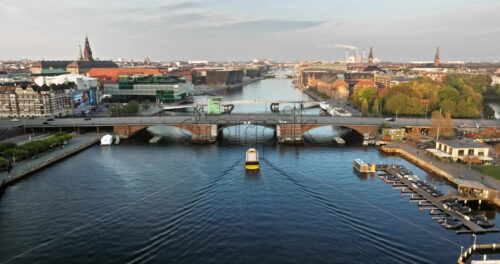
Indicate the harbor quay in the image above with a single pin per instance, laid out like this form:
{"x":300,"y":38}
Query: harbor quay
{"x":23,"y":169}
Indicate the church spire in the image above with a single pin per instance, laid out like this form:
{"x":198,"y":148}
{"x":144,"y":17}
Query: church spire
{"x":87,"y":53}
{"x":436,"y":58}
{"x":370,"y":57}
{"x":80,"y":54}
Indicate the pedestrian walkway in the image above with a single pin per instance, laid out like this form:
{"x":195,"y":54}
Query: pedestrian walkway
{"x":458,"y":170}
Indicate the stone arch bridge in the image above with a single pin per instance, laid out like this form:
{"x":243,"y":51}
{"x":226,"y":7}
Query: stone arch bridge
{"x":289,"y":128}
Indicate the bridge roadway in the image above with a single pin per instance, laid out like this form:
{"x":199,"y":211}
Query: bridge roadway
{"x":257,"y":119}
{"x":240,"y":102}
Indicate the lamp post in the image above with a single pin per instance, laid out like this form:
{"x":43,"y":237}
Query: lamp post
{"x":426,"y":106}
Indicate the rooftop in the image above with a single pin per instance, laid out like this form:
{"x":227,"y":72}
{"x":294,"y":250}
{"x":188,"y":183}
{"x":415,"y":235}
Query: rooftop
{"x":474,"y":184}
{"x":366,"y":83}
{"x":461,"y":144}
{"x":111,"y":74}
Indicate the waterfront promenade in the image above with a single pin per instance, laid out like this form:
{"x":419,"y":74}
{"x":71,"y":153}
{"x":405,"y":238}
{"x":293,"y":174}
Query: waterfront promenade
{"x":24,"y":168}
{"x":457,"y":170}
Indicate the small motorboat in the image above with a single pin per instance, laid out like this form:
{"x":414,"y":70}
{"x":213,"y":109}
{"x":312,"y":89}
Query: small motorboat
{"x":452,"y":224}
{"x":107,"y":140}
{"x":484,"y":222}
{"x":252,"y":160}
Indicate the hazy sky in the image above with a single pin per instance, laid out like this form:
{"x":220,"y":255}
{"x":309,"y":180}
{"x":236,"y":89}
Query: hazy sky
{"x":219,"y":30}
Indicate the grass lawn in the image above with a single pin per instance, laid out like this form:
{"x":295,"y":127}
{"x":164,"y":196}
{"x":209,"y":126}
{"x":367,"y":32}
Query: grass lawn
{"x":492,"y":171}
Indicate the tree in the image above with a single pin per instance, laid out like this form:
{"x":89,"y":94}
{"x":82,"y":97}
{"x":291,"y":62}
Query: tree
{"x":449,"y":106}
{"x":363,"y":93}
{"x":7,"y":145}
{"x":376,"y":108}
{"x":441,"y":125}
{"x":414,"y":135}
{"x":497,"y":150}
{"x":381,"y":126}
{"x":488,"y":112}
{"x":405,"y":105}
{"x":146,"y":104}
{"x":364,"y":108}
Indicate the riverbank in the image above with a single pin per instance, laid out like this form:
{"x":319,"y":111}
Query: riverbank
{"x":449,"y":171}
{"x":206,"y":89}
{"x":27,"y":167}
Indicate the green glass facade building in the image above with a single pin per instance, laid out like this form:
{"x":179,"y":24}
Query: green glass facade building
{"x":161,"y":88}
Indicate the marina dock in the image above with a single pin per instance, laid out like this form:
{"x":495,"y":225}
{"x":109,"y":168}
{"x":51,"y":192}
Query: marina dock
{"x":398,"y":176}
{"x":478,"y":249}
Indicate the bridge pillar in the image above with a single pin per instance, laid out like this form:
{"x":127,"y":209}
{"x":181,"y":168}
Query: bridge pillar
{"x":125,"y":131}
{"x":289,"y":133}
{"x":202,"y":133}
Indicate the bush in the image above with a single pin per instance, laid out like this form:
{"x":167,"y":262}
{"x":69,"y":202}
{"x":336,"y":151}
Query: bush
{"x":7,"y":145}
{"x":383,"y":125}
{"x":130,"y":108}
{"x":3,"y":162}
{"x":35,"y":147}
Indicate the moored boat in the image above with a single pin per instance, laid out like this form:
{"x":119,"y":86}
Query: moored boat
{"x":107,"y":140}
{"x":252,"y":160}
{"x":362,"y":167}
{"x":484,"y":222}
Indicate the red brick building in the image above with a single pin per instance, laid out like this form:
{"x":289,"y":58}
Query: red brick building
{"x":365,"y":84}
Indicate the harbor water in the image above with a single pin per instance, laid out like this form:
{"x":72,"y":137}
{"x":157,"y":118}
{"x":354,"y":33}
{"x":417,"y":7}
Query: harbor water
{"x":176,"y":202}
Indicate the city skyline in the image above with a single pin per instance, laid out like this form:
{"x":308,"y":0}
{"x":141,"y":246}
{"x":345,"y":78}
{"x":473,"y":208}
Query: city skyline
{"x":224,"y":30}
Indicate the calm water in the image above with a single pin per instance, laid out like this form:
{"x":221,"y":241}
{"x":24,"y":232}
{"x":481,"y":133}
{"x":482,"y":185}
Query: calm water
{"x":269,"y":89}
{"x":495,"y":104}
{"x":182,"y":203}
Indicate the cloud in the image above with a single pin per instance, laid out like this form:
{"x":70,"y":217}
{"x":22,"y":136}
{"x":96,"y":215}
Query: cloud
{"x":178,"y":6}
{"x":272,"y":25}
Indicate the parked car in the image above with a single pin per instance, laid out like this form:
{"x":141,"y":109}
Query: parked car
{"x":87,"y":118}
{"x":50,"y":119}
{"x":15,"y":120}
{"x":45,"y":122}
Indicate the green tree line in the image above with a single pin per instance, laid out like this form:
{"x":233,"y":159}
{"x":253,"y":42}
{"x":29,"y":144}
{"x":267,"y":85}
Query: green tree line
{"x":459,"y":95}
{"x":130,"y":108}
{"x":35,"y":147}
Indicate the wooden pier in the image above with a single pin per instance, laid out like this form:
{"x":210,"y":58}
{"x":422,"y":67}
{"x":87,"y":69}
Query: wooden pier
{"x":422,"y":195}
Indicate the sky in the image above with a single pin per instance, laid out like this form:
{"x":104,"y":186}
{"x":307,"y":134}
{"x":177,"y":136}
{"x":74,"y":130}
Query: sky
{"x":223,"y":30}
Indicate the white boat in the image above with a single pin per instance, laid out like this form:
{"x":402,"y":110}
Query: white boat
{"x":107,"y":140}
{"x":324,"y":106}
{"x":338,"y":111}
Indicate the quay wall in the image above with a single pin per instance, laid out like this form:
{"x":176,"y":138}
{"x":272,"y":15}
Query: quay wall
{"x":25,"y":173}
{"x":426,"y":166}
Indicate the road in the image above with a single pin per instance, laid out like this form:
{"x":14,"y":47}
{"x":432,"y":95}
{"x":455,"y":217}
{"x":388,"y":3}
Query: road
{"x":258,"y":119}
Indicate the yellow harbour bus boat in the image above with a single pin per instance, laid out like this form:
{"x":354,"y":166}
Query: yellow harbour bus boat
{"x":252,"y":160}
